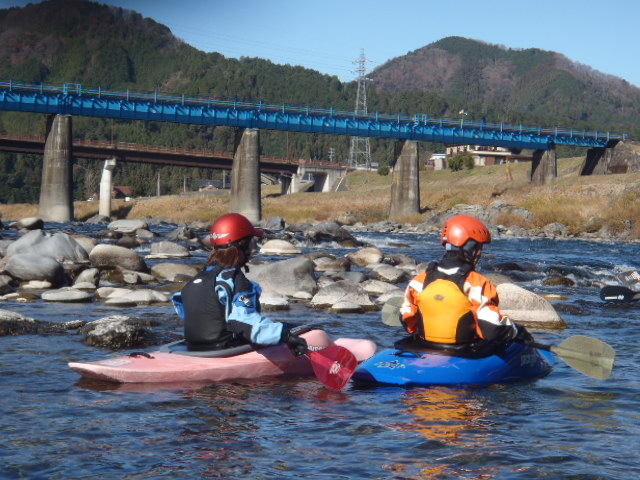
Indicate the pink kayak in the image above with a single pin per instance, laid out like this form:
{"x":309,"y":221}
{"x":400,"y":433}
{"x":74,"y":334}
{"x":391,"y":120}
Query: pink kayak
{"x":172,"y":363}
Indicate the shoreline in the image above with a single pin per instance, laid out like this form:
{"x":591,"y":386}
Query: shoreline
{"x":596,"y":207}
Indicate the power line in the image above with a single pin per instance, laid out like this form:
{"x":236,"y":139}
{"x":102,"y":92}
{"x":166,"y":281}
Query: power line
{"x":242,"y":47}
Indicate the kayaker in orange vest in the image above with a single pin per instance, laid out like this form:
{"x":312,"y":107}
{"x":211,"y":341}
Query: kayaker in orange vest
{"x":220,"y":306}
{"x":450,"y":304}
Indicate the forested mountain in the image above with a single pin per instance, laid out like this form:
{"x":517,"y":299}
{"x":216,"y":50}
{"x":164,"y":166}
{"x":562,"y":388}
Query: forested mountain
{"x":96,"y":45}
{"x":532,"y":86}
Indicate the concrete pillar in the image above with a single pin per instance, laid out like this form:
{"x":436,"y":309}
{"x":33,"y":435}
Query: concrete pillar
{"x":56,"y":188}
{"x":321,"y":183}
{"x":405,"y":189}
{"x":592,"y":162}
{"x":295,"y":183}
{"x":245,"y":175}
{"x":285,"y":183}
{"x":544,"y":166}
{"x":616,"y":157}
{"x":106,"y":187}
{"x":333,"y":180}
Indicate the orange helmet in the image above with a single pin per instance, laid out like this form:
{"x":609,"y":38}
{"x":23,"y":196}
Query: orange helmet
{"x":230,"y":228}
{"x":460,"y":229}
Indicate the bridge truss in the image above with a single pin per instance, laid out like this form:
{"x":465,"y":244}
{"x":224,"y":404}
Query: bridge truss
{"x":75,"y":99}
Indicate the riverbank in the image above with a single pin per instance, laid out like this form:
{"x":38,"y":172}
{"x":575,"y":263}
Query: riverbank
{"x":598,"y":205}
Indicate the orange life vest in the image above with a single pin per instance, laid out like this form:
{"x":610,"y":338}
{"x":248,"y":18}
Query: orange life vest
{"x":446,"y":313}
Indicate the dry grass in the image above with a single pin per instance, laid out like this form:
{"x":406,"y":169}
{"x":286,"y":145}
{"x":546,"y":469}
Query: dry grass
{"x":581,"y":203}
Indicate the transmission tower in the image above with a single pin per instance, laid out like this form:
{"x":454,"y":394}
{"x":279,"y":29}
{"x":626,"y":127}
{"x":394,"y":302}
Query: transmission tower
{"x":360,"y":152}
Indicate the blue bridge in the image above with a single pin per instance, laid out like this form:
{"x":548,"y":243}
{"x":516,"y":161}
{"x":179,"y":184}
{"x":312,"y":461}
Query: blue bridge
{"x":75,"y":99}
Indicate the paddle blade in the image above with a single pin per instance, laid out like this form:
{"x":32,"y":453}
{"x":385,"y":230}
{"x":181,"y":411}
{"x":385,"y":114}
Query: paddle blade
{"x":615,"y":293}
{"x":333,"y":366}
{"x":588,"y":355}
{"x":630,"y":277}
{"x":391,"y":311}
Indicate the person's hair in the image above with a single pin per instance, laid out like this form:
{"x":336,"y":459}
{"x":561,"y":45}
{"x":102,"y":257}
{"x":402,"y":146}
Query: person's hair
{"x":235,"y":255}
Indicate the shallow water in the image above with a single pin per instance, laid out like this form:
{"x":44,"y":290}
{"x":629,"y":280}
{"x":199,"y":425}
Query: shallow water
{"x":564,"y":426}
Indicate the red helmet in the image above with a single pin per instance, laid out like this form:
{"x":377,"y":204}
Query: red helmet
{"x":460,"y":229}
{"x":230,"y":228}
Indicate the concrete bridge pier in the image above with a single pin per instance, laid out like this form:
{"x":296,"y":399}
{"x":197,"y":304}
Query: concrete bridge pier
{"x":290,"y":183}
{"x":106,"y":187}
{"x":616,"y":157}
{"x":405,"y":189}
{"x":596,"y":162}
{"x":56,"y":188}
{"x":245,"y":175}
{"x":295,"y":183}
{"x":285,"y":184}
{"x":544,"y":166}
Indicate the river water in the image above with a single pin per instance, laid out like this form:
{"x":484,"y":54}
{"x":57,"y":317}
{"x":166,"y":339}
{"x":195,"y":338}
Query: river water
{"x":563,"y":426}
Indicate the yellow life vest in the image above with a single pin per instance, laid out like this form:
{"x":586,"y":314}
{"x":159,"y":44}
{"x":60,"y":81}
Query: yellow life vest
{"x":446,"y":313}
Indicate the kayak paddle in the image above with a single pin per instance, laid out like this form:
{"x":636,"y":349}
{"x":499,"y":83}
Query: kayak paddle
{"x":630,"y":277}
{"x":391,"y":311}
{"x":588,"y":355}
{"x":615,"y":293}
{"x":333,"y":365}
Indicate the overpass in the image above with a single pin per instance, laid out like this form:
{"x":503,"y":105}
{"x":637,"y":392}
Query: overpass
{"x":65,"y":100}
{"x":186,"y":157}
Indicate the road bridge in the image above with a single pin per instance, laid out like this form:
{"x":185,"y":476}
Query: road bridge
{"x":186,"y":157}
{"x":249,"y":117}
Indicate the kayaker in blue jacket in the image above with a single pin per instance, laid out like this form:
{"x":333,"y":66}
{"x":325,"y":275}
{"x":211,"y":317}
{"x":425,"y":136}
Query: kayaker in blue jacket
{"x":220,"y":306}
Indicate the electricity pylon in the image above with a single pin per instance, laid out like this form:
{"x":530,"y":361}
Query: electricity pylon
{"x":360,"y":152}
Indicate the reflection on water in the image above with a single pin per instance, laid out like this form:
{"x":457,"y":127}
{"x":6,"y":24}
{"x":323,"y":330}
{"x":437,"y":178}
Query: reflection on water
{"x":446,"y":417}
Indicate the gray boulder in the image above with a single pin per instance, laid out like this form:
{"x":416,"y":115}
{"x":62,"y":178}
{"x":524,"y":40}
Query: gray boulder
{"x":377,"y":287}
{"x":279,"y":247}
{"x":173,"y":271}
{"x":29,"y":223}
{"x":30,"y":266}
{"x":166,"y":249}
{"x":118,"y":331}
{"x":12,"y":324}
{"x":127,"y":226}
{"x":331,"y":232}
{"x":67,"y":295}
{"x":89,"y":276}
{"x":138,"y":297}
{"x":60,"y":246}
{"x":528,"y":308}
{"x":6,"y":284}
{"x":343,"y":291}
{"x":366,"y":256}
{"x":286,"y":277}
{"x":388,"y":273}
{"x":111,"y":256}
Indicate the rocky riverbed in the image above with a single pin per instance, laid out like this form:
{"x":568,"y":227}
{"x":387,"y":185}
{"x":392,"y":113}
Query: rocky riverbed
{"x":38,"y":265}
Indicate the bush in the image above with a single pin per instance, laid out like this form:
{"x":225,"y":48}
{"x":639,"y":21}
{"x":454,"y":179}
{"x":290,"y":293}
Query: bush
{"x":455,"y":163}
{"x":383,"y":170}
{"x":468,"y":162}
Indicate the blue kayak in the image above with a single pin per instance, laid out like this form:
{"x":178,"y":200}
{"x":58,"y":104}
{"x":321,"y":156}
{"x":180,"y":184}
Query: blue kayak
{"x":422,"y":367}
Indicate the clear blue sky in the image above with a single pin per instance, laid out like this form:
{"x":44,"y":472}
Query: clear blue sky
{"x":328,"y":35}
